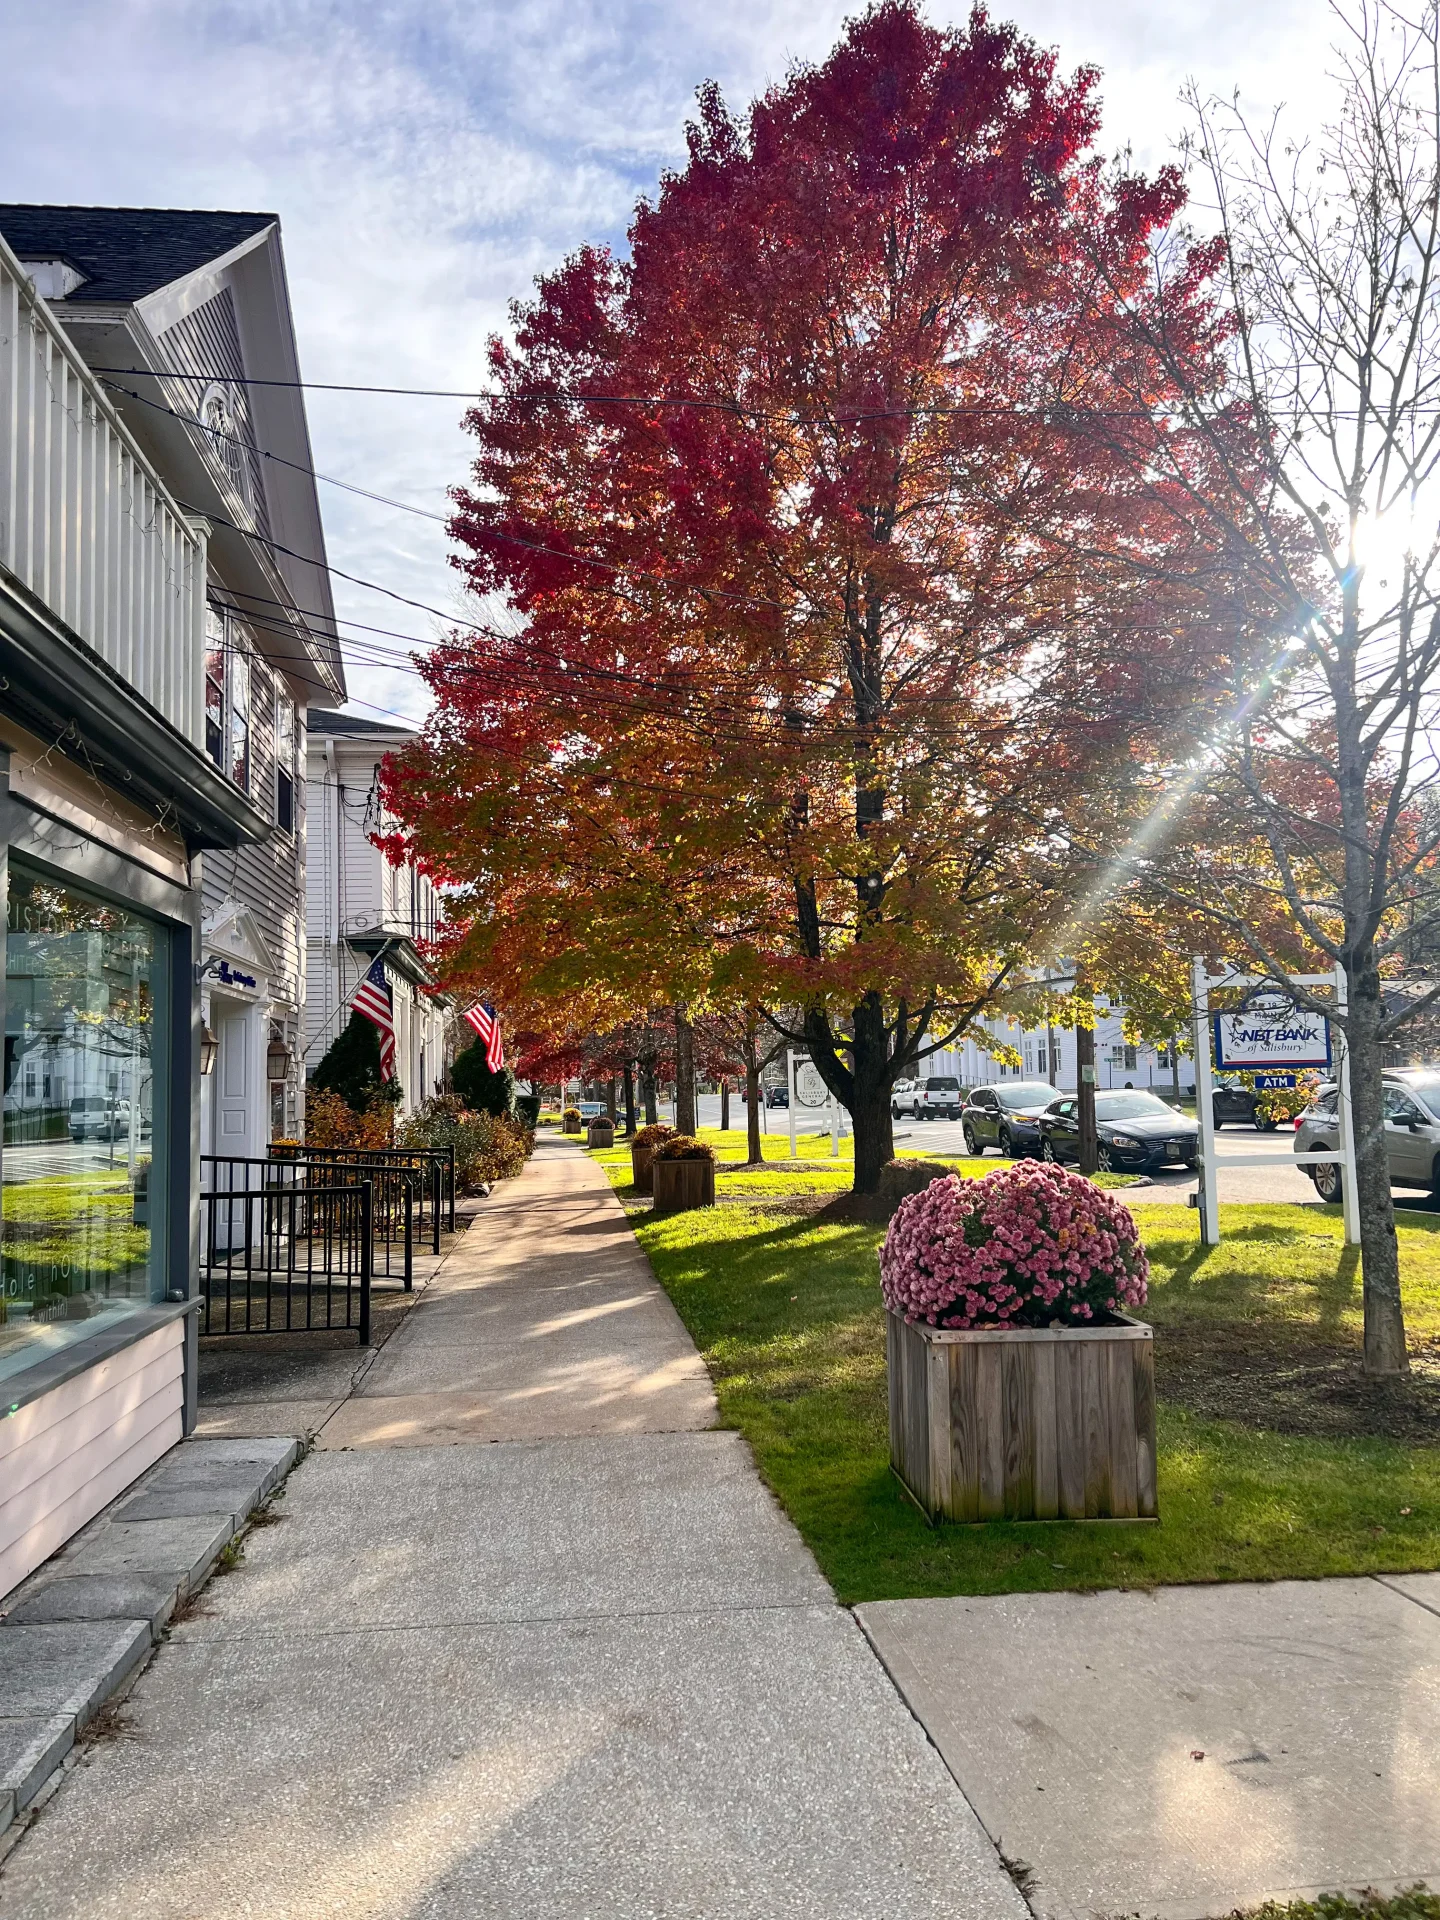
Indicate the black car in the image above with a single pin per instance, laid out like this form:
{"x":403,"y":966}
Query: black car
{"x":1136,"y":1132}
{"x":1006,"y":1116}
{"x":1229,"y":1100}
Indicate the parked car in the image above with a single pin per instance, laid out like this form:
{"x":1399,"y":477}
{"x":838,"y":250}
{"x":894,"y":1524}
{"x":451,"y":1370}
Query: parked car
{"x":590,"y":1109}
{"x":939,"y":1096}
{"x":1135,"y":1132}
{"x":99,"y":1116}
{"x":777,"y":1096}
{"x":1411,"y":1101}
{"x":902,"y":1099}
{"x":1007,"y":1116}
{"x":1229,"y":1100}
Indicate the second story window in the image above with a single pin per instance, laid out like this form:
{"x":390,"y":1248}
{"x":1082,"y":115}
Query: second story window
{"x":284,"y":762}
{"x":215,"y":686}
{"x":240,"y":719}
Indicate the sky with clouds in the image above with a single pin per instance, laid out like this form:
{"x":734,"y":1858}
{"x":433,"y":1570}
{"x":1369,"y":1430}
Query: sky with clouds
{"x":428,"y":159}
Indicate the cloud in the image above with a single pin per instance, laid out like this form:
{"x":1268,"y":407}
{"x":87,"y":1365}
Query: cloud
{"x":429,"y":157}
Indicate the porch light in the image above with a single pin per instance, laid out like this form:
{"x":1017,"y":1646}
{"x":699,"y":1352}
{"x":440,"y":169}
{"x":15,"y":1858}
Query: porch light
{"x":209,"y":1047}
{"x":277,"y":1059}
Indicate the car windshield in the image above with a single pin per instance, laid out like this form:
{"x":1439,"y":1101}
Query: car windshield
{"x":1027,"y":1093}
{"x":1131,"y":1106}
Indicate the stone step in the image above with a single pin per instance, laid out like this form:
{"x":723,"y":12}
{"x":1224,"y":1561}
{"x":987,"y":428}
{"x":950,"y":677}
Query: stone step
{"x":74,"y":1634}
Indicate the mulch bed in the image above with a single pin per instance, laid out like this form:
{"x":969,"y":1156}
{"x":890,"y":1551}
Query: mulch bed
{"x":1285,"y":1380}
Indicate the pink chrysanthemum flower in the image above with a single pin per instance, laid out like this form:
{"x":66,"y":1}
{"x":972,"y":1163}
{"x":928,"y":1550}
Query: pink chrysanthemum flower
{"x":1026,"y":1246}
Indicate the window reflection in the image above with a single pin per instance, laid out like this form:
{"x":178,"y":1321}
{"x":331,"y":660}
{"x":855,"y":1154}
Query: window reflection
{"x":80,"y":1141}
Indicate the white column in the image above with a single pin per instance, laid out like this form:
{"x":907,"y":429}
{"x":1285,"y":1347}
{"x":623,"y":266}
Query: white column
{"x":790,"y":1072}
{"x":1350,"y":1199}
{"x":1205,"y":1104}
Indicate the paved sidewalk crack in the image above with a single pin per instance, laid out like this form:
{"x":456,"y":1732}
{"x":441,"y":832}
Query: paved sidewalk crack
{"x":1381,"y":1580}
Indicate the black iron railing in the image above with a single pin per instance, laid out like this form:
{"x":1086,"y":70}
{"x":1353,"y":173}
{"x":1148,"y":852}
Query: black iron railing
{"x":432,"y":1170}
{"x":284,"y":1249}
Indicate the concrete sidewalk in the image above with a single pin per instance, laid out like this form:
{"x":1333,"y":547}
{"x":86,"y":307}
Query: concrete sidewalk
{"x":1187,"y":1752}
{"x":531,"y":1640}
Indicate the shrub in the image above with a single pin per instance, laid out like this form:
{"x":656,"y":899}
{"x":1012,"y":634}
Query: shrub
{"x":351,"y":1069}
{"x":684,"y":1146}
{"x":1031,"y":1245}
{"x":570,"y":1113}
{"x":527,"y":1110}
{"x":1280,"y":1104}
{"x":487,"y":1146}
{"x":331,"y":1122}
{"x":479,"y":1089}
{"x":900,"y":1178}
{"x":655,"y":1136}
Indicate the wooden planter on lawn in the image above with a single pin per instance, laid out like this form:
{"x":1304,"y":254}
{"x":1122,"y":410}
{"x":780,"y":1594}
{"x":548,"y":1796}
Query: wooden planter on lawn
{"x":571,"y":1126}
{"x":601,"y":1134}
{"x":1025,"y":1423}
{"x":679,"y":1185}
{"x":640,"y":1158}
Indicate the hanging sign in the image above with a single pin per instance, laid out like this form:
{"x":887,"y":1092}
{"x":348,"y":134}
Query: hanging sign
{"x":1265,"y":1082}
{"x":1269,"y":1030}
{"x":810,"y":1089}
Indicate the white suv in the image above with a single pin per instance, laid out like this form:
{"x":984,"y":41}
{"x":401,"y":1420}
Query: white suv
{"x":901,"y":1097}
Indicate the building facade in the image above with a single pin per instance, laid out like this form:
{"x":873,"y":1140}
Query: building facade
{"x":108,"y":803}
{"x":362,"y":907}
{"x":185,"y":319}
{"x":1048,"y":1053}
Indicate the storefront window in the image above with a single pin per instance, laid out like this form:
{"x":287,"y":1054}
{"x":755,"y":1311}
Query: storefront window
{"x":83,"y":1156}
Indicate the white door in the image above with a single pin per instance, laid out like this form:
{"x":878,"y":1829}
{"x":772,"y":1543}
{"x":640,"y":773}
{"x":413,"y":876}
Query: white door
{"x":235,"y":1081}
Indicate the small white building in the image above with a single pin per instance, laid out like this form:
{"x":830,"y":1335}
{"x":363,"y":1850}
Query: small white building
{"x":361,"y":907}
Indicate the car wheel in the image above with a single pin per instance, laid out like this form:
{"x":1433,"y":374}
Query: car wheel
{"x":1105,"y":1160}
{"x":1047,"y":1151}
{"x":1327,"y":1180}
{"x":972,"y":1145}
{"x":894,"y":1111}
{"x":1007,"y":1143}
{"x":1215,"y":1117}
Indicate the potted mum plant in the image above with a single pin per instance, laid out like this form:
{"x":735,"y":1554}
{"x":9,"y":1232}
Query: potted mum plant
{"x":1021,"y":1386}
{"x":642,"y":1151}
{"x":682,"y":1174}
{"x":570,"y":1120}
{"x":600,"y":1132}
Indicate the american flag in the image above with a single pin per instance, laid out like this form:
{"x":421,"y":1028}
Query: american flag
{"x":486,"y":1023}
{"x":372,"y":999}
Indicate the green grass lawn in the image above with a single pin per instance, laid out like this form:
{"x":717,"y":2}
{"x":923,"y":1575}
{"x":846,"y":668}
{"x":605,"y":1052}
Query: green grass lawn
{"x":1275,"y":1459}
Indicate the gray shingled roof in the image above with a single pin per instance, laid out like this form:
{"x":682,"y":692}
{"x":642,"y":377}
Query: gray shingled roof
{"x":321,"y":720}
{"x":126,"y":252}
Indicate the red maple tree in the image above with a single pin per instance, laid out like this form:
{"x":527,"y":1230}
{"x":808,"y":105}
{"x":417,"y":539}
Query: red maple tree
{"x":833,"y":606}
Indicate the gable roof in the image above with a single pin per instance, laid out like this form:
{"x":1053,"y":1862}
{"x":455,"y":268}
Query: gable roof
{"x":126,"y":252}
{"x":322,"y":720}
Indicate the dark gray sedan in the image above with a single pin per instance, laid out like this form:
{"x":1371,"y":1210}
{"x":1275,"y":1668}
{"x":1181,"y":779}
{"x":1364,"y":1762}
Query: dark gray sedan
{"x":1136,"y":1132}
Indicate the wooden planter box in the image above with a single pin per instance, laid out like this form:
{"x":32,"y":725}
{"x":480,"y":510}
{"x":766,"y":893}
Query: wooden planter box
{"x":601,"y":1134}
{"x":571,"y":1126}
{"x":1025,"y":1423}
{"x":679,"y":1185}
{"x":640,"y":1158}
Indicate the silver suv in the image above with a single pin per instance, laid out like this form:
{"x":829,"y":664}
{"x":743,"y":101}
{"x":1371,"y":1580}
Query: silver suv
{"x":1412,"y":1131}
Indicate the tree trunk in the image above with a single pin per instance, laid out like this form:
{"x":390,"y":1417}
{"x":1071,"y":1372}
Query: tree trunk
{"x":863,"y":1090}
{"x":649,"y":1093}
{"x":724,"y":1104}
{"x":629,"y":1098}
{"x":1385,"y":1354}
{"x":753,"y":1153}
{"x":684,"y":1072}
{"x":1085,"y":1094}
{"x":610,"y":1098}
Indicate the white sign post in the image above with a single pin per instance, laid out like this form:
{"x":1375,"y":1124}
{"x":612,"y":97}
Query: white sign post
{"x":790,"y":1101}
{"x":808,"y":1090}
{"x":1269,"y":1032}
